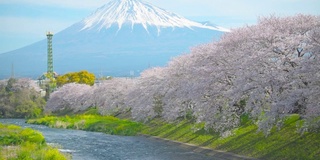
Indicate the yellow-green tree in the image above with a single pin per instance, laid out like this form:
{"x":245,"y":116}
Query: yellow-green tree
{"x":82,"y":77}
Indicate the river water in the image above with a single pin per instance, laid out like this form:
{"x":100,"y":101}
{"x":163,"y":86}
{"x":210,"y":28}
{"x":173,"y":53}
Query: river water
{"x":99,"y":146}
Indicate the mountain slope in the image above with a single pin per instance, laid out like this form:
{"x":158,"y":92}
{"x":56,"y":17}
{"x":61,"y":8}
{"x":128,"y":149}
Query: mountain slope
{"x":135,"y":12}
{"x":121,"y":37}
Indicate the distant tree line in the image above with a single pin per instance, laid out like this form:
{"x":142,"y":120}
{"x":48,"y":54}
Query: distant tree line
{"x":265,"y":72}
{"x":20,"y":98}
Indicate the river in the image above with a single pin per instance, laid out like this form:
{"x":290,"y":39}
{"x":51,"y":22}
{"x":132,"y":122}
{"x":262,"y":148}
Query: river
{"x":99,"y":146}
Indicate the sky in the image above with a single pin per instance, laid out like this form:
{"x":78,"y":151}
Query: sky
{"x":23,"y":22}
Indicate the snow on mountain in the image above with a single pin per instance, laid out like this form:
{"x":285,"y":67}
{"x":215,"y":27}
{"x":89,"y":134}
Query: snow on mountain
{"x":137,"y":12}
{"x":121,"y":37}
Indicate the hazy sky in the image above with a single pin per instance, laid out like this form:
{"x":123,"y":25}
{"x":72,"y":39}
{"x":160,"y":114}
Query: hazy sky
{"x":23,"y":22}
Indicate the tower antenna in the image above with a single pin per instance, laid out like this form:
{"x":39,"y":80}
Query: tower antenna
{"x":50,"y":55}
{"x":51,"y":85}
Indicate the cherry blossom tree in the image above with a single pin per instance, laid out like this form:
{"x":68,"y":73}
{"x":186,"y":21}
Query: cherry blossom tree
{"x":109,"y":96}
{"x":259,"y":65}
{"x":270,"y":73}
{"x":146,"y":94}
{"x":72,"y":96}
{"x":266,"y":71}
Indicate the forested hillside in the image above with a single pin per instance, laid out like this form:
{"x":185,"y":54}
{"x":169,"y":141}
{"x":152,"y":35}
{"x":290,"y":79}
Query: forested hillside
{"x":264,"y":72}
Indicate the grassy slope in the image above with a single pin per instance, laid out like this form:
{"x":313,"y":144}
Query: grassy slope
{"x":283,"y":144}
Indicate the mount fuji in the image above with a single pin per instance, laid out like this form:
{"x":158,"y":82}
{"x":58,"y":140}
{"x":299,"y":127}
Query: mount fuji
{"x":122,"y":37}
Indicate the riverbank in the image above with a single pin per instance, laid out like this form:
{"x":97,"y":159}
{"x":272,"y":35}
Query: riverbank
{"x":18,"y":143}
{"x":286,"y":143}
{"x":106,"y":124}
{"x":87,"y":145}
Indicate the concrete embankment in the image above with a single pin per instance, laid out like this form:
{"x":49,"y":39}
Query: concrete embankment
{"x":215,"y":154}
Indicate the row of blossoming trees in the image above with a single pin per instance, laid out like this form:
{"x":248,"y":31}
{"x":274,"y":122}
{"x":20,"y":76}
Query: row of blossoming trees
{"x":266,"y":71}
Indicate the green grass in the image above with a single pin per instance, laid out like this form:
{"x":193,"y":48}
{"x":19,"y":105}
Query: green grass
{"x":91,"y":111}
{"x":17,"y":143}
{"x":71,"y":112}
{"x":283,"y":144}
{"x":105,"y":124}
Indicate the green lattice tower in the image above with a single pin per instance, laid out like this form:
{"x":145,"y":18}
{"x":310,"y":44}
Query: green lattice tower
{"x":50,"y":56}
{"x":50,"y":86}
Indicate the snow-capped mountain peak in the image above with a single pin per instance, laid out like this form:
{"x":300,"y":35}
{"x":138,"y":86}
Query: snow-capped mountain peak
{"x":132,"y":12}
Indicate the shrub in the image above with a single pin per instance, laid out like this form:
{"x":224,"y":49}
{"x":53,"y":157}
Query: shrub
{"x":25,"y":144}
